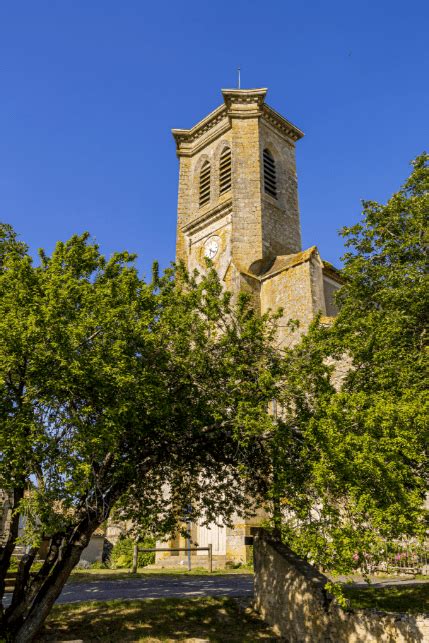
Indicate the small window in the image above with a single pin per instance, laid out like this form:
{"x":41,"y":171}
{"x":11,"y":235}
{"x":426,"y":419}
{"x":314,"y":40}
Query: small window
{"x":225,"y":171}
{"x":270,"y":178}
{"x":205,"y":184}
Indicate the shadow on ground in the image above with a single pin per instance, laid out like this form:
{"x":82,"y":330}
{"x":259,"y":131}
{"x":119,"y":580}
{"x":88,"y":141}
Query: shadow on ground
{"x":206,"y":618}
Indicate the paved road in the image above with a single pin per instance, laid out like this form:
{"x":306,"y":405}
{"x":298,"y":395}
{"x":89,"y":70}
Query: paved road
{"x":236,"y":585}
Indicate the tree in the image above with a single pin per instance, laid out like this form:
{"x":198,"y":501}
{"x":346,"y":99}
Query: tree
{"x":114,"y":387}
{"x":352,"y":470}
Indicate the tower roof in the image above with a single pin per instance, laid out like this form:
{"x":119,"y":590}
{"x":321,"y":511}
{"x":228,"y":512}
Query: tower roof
{"x":238,"y":103}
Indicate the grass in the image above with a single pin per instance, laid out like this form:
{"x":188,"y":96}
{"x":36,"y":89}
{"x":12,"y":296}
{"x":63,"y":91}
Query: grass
{"x":376,"y":578}
{"x":90,"y":575}
{"x":413,"y":599}
{"x":155,"y":620}
{"x":215,"y":619}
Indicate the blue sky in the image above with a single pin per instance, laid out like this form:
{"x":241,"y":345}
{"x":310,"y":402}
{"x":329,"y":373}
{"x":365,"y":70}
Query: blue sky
{"x":89,"y":91}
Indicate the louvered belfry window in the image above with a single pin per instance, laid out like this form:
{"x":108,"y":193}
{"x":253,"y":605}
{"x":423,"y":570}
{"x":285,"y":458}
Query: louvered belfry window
{"x":225,"y":171}
{"x":270,"y":178}
{"x":205,"y":184}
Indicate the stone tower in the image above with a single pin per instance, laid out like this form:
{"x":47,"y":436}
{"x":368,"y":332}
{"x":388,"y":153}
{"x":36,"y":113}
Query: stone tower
{"x":238,"y":205}
{"x":244,"y":222}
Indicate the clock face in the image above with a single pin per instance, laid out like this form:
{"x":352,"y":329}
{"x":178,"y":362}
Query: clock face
{"x":211,"y":247}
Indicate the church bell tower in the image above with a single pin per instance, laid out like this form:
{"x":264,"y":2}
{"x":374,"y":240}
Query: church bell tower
{"x":238,"y":198}
{"x":238,"y":205}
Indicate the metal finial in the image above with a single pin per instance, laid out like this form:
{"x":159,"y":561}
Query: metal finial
{"x":239,"y":77}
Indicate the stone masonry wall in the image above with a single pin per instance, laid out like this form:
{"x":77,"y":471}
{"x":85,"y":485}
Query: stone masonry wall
{"x":183,"y":205}
{"x":188,"y":196}
{"x":290,"y":596}
{"x":281,"y":229}
{"x":290,"y":290}
{"x":246,"y":193}
{"x":330,"y":288}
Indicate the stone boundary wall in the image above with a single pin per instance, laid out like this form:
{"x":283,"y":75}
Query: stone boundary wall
{"x":290,"y":596}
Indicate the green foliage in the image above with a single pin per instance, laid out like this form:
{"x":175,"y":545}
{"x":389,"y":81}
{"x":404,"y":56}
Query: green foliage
{"x":219,"y":366}
{"x":153,"y":397}
{"x":116,"y":392}
{"x":13,"y":566}
{"x":413,"y":599}
{"x":352,"y":459}
{"x":97,"y":564}
{"x":122,"y":553}
{"x":337,"y":591}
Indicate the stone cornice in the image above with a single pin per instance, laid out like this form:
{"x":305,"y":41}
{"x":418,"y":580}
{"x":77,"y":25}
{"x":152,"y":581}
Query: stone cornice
{"x":244,"y":103}
{"x":239,"y":103}
{"x":186,"y":138}
{"x":281,"y":124}
{"x":208,"y":217}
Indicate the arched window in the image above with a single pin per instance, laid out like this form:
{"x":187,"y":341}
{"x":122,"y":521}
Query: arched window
{"x":205,"y":184}
{"x":270,"y":178}
{"x":225,"y":171}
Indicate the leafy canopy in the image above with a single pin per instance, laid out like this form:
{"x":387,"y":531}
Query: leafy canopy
{"x":353,"y":471}
{"x":114,"y":390}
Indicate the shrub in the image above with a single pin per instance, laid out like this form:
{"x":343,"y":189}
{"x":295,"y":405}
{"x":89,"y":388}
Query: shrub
{"x":121,"y":555}
{"x":98,"y":565}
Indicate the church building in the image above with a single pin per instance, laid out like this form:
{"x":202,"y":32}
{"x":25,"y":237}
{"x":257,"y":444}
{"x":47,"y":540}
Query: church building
{"x":238,"y":205}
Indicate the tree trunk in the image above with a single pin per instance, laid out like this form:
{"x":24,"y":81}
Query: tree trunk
{"x":24,"y":622}
{"x":23,"y":576}
{"x":7,"y":550}
{"x":48,"y":595}
{"x":16,"y":612}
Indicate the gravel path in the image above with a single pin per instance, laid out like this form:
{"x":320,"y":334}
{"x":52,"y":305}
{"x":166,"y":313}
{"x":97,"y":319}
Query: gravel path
{"x":235,"y":585}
